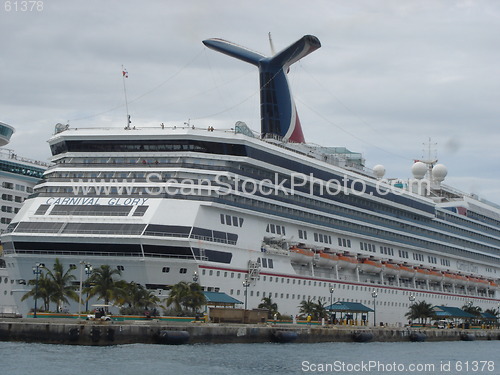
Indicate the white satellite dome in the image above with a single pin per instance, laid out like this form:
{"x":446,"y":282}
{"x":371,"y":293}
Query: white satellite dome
{"x":439,"y":172}
{"x":379,"y":171}
{"x":419,"y":170}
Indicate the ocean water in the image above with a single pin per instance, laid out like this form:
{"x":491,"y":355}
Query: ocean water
{"x":476,"y":357}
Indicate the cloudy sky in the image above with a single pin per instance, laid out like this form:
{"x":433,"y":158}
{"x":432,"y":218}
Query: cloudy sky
{"x":389,"y":75}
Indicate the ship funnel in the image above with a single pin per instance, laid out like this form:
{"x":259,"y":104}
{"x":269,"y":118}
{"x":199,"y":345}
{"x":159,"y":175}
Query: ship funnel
{"x":277,"y":108}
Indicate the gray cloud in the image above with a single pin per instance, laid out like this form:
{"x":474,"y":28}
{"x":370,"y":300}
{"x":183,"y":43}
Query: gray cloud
{"x":389,"y":74}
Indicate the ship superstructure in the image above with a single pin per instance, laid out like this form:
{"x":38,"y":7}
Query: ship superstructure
{"x":265,"y":216}
{"x":18,"y":176}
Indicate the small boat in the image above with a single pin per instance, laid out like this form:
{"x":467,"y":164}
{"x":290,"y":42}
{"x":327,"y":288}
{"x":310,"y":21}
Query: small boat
{"x":347,"y":261}
{"x":391,"y":268}
{"x":422,"y":273}
{"x":435,"y":275}
{"x":324,"y":259}
{"x":406,"y":271}
{"x":300,"y":255}
{"x":370,"y":265}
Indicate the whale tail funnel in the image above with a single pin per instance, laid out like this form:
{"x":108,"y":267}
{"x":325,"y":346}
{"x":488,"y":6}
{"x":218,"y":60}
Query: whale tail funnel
{"x":277,"y":108}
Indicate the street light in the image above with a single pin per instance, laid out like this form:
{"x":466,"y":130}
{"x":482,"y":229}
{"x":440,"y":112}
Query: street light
{"x":37,"y":271}
{"x":246,"y":284}
{"x":88,"y":270}
{"x":374,"y":296}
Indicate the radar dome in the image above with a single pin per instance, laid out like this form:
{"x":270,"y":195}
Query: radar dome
{"x":379,"y":171}
{"x":439,"y":172}
{"x":419,"y":170}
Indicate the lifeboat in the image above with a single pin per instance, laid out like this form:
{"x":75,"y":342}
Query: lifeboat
{"x":450,"y":277}
{"x":323,"y":259}
{"x":435,"y":275}
{"x":478,"y":282}
{"x":406,"y":271}
{"x":473,"y":281}
{"x":299,"y":255}
{"x":371,"y":266}
{"x":422,"y":273}
{"x":391,"y":268}
{"x":461,"y":279}
{"x":347,"y":262}
{"x":493,"y":285}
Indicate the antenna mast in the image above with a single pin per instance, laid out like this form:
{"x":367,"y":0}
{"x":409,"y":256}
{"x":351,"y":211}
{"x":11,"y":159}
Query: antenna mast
{"x":125,"y":75}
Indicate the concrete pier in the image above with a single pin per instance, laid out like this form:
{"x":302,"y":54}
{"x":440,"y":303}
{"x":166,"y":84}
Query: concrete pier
{"x":75,"y":332}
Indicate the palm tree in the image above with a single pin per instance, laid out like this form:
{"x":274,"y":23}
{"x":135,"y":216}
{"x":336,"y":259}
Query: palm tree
{"x":43,"y":290}
{"x":137,"y":297}
{"x":307,"y":307}
{"x":104,"y":285}
{"x":320,"y":310}
{"x":177,"y":296}
{"x":268,"y":304}
{"x":474,"y":310}
{"x":195,"y":298}
{"x":62,"y":287}
{"x":420,"y":310}
{"x":184,"y":295}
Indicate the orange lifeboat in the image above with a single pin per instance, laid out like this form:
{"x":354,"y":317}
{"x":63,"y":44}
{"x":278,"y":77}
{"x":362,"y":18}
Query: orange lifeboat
{"x":450,"y":277}
{"x":461,"y":279}
{"x":391,"y":268}
{"x":323,"y":259}
{"x":435,"y":275}
{"x":371,"y":266}
{"x":406,"y":271}
{"x":493,"y":284}
{"x":347,"y":261}
{"x":422,"y":273}
{"x":299,"y":255}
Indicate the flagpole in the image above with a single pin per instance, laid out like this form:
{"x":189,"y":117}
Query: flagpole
{"x":125,"y":75}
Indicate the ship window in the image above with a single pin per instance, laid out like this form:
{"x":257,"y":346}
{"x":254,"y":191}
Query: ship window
{"x":140,"y":210}
{"x":165,"y":269}
{"x":264,"y":262}
{"x":270,"y":263}
{"x":241,"y":221}
{"x":232,"y":275}
{"x":222,"y":218}
{"x":270,"y":278}
{"x":273,"y":228}
{"x":340,"y":241}
{"x":278,"y":229}
{"x":210,"y":273}
{"x":235,"y":221}
{"x":315,"y":236}
{"x":218,"y":273}
{"x":228,"y":219}
{"x":120,"y":268}
{"x":183,"y":270}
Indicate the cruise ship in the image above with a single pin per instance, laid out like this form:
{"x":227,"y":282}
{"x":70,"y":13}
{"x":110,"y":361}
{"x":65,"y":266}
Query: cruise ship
{"x":18,"y":176}
{"x":256,"y":215}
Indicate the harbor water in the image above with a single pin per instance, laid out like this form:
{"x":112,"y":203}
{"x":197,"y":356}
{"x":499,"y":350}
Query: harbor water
{"x":455,"y":357}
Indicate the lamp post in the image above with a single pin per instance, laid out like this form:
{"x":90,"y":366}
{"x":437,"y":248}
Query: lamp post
{"x":88,"y":270}
{"x":374,"y":296}
{"x":246,"y":284}
{"x":37,"y":271}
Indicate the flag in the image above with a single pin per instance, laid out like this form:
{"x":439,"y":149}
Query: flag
{"x":125,"y":73}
